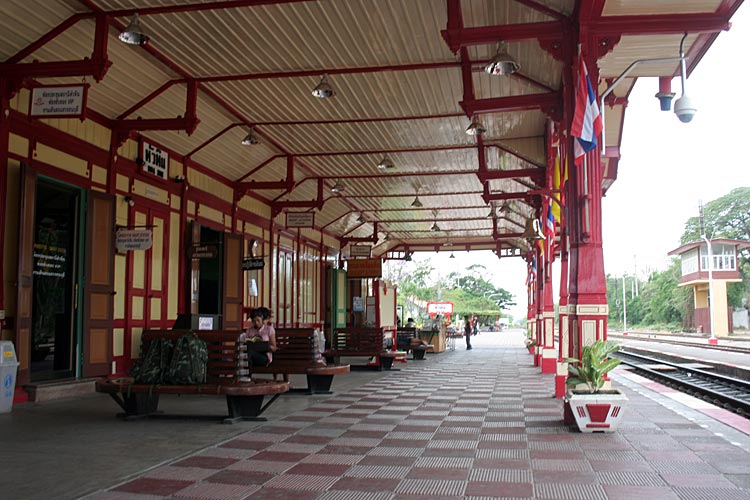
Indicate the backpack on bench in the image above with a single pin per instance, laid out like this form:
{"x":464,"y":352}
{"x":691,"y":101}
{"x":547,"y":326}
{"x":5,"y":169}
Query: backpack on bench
{"x":153,"y":365}
{"x":189,"y":361}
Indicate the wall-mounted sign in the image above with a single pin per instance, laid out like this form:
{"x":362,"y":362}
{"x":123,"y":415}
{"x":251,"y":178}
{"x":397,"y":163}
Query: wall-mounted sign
{"x":300,"y":219}
{"x":133,"y":239}
{"x":360,"y":251}
{"x":155,"y":160}
{"x":364,"y":268}
{"x":252,"y":264}
{"x":59,"y":101}
{"x":203,"y":252}
{"x":358,"y":304}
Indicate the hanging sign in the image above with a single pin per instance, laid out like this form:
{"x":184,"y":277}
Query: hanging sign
{"x":133,"y":239}
{"x":360,"y":251}
{"x":253,"y":264}
{"x":58,"y":101}
{"x":300,"y":219}
{"x":364,"y":268}
{"x":203,"y":252}
{"x":155,"y":160}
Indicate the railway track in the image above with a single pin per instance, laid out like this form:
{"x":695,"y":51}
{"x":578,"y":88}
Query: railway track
{"x":730,"y":393}
{"x":665,"y":340}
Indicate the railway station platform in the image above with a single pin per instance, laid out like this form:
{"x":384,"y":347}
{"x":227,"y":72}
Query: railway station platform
{"x":479,"y":424}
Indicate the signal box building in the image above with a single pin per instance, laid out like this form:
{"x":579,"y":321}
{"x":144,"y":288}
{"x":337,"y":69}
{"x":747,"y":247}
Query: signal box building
{"x":699,"y":272}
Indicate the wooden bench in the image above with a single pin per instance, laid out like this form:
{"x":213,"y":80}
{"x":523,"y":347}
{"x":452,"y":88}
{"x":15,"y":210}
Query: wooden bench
{"x":361,"y":342}
{"x":225,"y":368}
{"x":296,"y":354}
{"x":408,"y":340}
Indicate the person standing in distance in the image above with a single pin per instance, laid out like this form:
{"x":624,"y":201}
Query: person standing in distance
{"x":467,"y":332}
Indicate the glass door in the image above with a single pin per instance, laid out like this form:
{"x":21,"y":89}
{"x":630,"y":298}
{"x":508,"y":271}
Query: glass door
{"x":55,"y":296}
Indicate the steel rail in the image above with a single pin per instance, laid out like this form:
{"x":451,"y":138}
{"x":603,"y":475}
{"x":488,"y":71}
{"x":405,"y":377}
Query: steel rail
{"x":730,"y":393}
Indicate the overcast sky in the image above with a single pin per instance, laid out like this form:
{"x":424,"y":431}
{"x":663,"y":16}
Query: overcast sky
{"x":666,"y":167}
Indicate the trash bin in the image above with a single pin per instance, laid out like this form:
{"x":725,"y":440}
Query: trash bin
{"x":8,"y":368}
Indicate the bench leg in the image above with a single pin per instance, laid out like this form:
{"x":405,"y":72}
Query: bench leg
{"x":386,"y":362}
{"x":136,"y":406}
{"x":418,"y":353}
{"x":319,"y":384}
{"x":247,"y":408}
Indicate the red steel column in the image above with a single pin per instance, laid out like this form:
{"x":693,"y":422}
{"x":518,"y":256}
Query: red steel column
{"x":587,"y":304}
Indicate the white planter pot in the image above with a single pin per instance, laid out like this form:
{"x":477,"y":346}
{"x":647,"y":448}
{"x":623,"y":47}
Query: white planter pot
{"x":600,"y":412}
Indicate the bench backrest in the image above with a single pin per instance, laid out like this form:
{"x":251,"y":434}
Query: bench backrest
{"x":296,"y":346}
{"x":225,"y":359}
{"x":357,"y":340}
{"x":405,"y":335}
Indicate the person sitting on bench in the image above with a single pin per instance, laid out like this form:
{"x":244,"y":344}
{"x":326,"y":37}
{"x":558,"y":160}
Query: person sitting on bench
{"x":261,"y":331}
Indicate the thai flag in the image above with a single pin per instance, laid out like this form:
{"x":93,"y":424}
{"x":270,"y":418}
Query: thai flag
{"x":587,"y":122}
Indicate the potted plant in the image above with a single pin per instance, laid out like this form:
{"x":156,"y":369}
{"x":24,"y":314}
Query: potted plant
{"x":596,"y":408}
{"x":530,"y":345}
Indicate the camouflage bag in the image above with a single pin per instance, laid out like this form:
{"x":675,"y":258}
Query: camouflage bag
{"x":153,"y":365}
{"x":189,"y":360}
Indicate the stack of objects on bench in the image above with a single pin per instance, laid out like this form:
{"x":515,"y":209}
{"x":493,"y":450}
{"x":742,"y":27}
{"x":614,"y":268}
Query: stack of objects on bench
{"x":298,"y":352}
{"x":223,"y":371}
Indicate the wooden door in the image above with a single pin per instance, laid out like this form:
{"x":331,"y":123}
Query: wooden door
{"x":233,"y":280}
{"x":25,"y":273}
{"x":98,"y":286}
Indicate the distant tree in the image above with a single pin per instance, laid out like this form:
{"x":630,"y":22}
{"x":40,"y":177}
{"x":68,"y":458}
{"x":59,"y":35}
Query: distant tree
{"x":663,"y":301}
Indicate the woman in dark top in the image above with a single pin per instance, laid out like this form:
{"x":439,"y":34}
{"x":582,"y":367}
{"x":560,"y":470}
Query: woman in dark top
{"x":467,"y":332}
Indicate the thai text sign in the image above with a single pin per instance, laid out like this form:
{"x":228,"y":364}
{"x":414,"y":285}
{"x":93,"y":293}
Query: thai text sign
{"x":155,"y":160}
{"x":252,"y":264}
{"x":203,"y":252}
{"x":300,"y":219}
{"x":440,"y":308}
{"x":49,"y":261}
{"x":133,"y":239}
{"x":68,"y":101}
{"x":364,"y":268}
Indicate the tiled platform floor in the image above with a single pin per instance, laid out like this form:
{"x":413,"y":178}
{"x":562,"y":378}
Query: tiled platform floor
{"x":480,"y":424}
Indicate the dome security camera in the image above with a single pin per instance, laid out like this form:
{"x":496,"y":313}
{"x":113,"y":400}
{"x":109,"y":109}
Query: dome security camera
{"x":684,"y":109}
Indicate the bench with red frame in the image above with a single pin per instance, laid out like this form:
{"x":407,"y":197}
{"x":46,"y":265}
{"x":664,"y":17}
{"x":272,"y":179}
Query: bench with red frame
{"x":224,"y":374}
{"x":298,"y":353}
{"x":408,"y":340}
{"x":367,"y":342}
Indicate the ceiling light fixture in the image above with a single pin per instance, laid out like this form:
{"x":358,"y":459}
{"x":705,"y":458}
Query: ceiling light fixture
{"x":502,"y":64}
{"x":435,"y":227}
{"x":250,"y":139}
{"x":338,"y":187}
{"x":386,"y":164}
{"x":361,"y":218}
{"x":452,"y":256}
{"x":133,"y":33}
{"x":323,"y":90}
{"x":475,"y":127}
{"x":416,"y":203}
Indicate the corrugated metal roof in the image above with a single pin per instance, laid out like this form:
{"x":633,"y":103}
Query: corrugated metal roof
{"x":399,"y":93}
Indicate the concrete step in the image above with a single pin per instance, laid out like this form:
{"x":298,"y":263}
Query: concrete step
{"x":49,"y":391}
